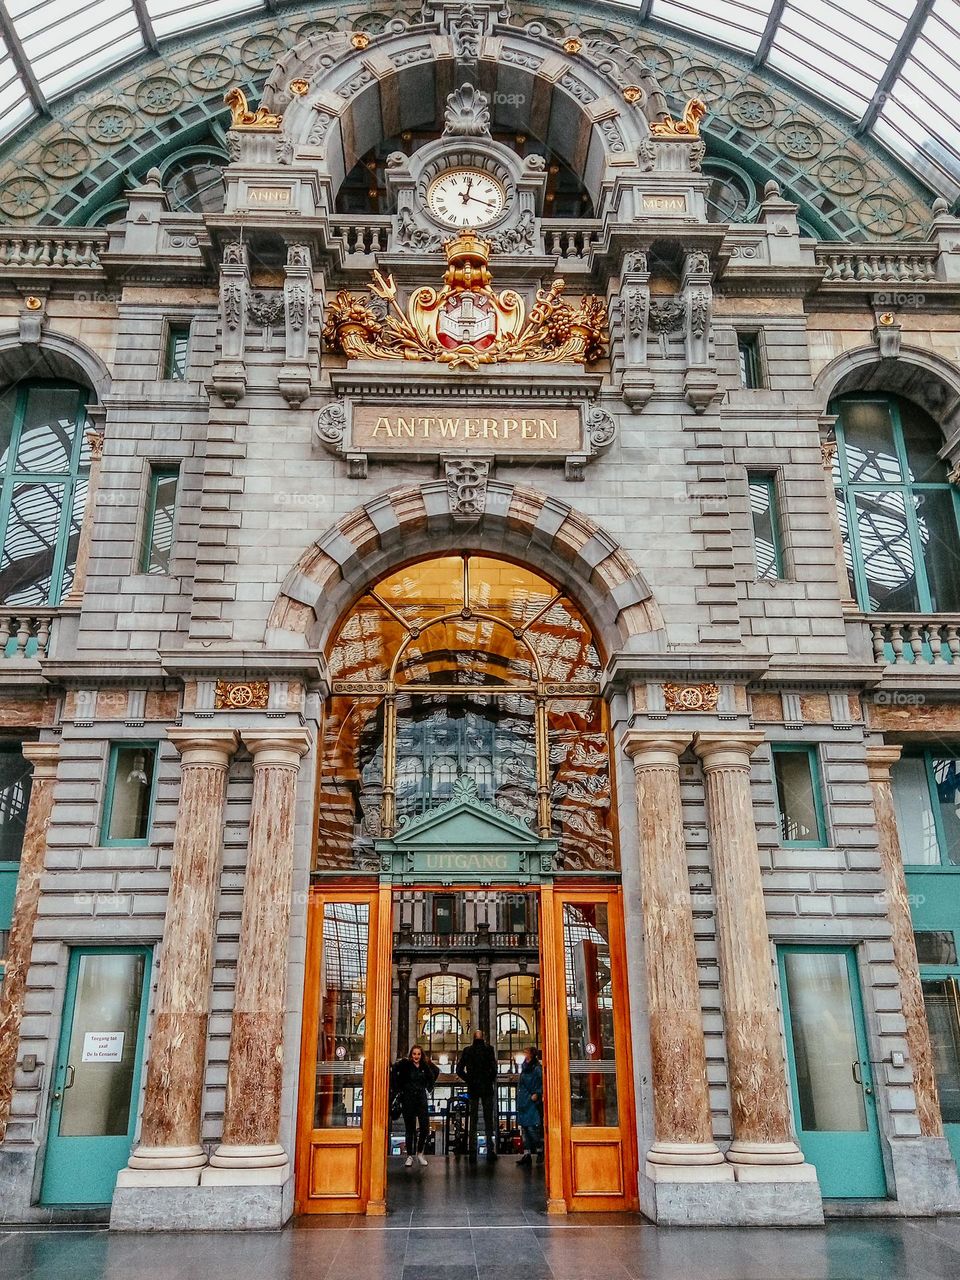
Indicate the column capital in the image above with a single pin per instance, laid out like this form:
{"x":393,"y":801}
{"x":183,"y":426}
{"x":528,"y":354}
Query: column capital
{"x":654,"y":750}
{"x":43,"y":756}
{"x":880,"y":760}
{"x":199,"y":747}
{"x":276,"y":747}
{"x":726,"y":750}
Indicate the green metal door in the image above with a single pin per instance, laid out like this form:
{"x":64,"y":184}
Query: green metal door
{"x":833,"y":1100}
{"x":97,"y":1077}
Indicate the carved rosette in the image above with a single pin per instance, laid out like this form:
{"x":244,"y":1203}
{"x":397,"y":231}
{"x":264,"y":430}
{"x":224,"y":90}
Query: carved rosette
{"x":241,"y":695}
{"x":691,"y":697}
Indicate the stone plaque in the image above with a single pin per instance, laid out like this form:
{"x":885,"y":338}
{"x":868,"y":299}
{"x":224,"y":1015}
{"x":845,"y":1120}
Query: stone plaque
{"x":665,"y":204}
{"x":378,"y":429}
{"x":269,"y":197}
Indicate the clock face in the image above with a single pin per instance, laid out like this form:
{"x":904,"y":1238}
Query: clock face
{"x":466,"y":198}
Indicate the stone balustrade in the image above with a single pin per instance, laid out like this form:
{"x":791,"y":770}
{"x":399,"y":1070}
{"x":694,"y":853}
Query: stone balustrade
{"x":875,"y":264}
{"x":364,"y":235}
{"x":915,"y":640}
{"x":569,"y":240}
{"x":25,"y":634}
{"x":65,"y":249}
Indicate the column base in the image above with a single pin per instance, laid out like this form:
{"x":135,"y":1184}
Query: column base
{"x":266,"y":1156}
{"x":164,"y":1167}
{"x":696,"y":1154}
{"x":274,"y":1175}
{"x":766,"y":1153}
{"x":924,"y":1176}
{"x":711,"y":1196}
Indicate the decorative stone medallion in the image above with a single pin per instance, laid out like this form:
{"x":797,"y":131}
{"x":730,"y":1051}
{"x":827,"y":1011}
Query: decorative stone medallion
{"x":691,"y":697}
{"x":241,"y":695}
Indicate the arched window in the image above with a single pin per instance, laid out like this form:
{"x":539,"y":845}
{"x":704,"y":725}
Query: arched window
{"x":45,"y":464}
{"x":443,"y":1014}
{"x":518,"y":1014}
{"x":898,"y":513}
{"x":465,"y":667}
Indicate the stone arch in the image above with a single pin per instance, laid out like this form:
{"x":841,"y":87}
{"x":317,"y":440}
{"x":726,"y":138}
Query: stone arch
{"x":356,"y":97}
{"x":414,"y":521}
{"x":55,"y":356}
{"x":916,"y":374}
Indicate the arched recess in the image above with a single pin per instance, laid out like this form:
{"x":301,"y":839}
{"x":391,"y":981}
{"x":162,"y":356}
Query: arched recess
{"x":921,"y":376}
{"x":518,"y":522}
{"x":55,"y":356}
{"x":357,"y":97}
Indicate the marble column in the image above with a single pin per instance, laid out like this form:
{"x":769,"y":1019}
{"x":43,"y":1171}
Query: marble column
{"x":251,"y":1150}
{"x":879,"y":762}
{"x":43,"y":757}
{"x":762,"y":1127}
{"x":74,"y":597}
{"x":681,"y":1100}
{"x":169,"y":1152}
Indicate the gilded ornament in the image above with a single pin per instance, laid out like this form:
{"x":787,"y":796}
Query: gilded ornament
{"x":466,"y":322}
{"x":688,"y":126}
{"x":242,"y":695}
{"x":360,"y":40}
{"x":299,"y":87}
{"x":33,"y":303}
{"x":244,"y":118}
{"x":572,"y":46}
{"x":632,"y":93}
{"x":691,"y":697}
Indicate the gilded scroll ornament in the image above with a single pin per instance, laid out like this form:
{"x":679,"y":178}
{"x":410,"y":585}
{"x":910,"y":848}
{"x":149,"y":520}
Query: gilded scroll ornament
{"x":242,"y":695}
{"x":244,"y":118}
{"x":466,"y":322}
{"x":688,"y":126}
{"x":691,"y":697}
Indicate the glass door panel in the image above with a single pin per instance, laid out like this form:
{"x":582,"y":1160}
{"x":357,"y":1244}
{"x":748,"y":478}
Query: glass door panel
{"x":941,"y":997}
{"x":834,"y":1105}
{"x":590,"y":1027}
{"x":93,"y":1112}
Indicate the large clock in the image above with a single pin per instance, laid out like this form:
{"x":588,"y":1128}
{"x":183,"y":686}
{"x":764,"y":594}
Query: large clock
{"x":466,"y":197}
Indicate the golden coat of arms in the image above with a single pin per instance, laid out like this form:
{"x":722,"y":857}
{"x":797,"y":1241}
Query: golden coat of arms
{"x":466,"y":322}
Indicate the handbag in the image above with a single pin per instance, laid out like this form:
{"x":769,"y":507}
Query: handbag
{"x":396,"y":1107}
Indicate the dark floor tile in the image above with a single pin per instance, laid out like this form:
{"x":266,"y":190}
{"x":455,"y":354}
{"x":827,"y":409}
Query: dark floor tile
{"x":440,"y":1271}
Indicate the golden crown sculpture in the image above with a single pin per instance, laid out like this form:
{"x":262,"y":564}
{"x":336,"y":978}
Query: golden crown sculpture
{"x":466,"y":322}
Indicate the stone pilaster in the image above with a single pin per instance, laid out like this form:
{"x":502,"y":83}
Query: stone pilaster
{"x":681,"y":1100}
{"x":43,"y":756}
{"x":74,"y":597}
{"x":879,"y":761}
{"x":251,"y":1150}
{"x":762,"y":1125}
{"x":170,"y":1153}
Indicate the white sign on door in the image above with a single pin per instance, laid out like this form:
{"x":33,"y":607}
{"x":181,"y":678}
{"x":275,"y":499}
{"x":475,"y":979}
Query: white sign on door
{"x":102,"y":1046}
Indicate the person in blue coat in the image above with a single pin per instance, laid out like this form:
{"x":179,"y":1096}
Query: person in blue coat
{"x":530,"y":1106}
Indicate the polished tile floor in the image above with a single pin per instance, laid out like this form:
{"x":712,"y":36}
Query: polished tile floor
{"x":454,"y":1221}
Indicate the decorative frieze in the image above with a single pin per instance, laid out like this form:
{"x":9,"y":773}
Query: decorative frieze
{"x":241,"y":695}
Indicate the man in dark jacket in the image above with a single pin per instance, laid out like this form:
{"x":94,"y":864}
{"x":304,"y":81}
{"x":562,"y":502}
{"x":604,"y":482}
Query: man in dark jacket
{"x":478,"y":1069}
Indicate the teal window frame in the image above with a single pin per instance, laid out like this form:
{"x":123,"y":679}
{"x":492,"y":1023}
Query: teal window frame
{"x":749,"y":360}
{"x":68,"y":480}
{"x":158,"y":473}
{"x":847,"y":494}
{"x":176,"y":330}
{"x":121,"y":744}
{"x":944,"y":865}
{"x":816,"y":783}
{"x":768,"y":482}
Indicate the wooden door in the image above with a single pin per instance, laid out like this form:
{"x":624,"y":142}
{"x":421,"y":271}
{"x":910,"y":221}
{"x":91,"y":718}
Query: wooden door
{"x":589,"y":1069}
{"x":344,"y":1060}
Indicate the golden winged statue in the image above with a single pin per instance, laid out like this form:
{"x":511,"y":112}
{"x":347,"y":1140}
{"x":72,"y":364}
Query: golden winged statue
{"x":466,"y":322}
{"x":243,"y":117}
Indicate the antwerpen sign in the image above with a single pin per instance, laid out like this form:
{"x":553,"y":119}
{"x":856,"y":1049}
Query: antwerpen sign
{"x":377,"y":429}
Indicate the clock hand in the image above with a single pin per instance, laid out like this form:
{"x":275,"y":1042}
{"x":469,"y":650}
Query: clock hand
{"x":465,"y":195}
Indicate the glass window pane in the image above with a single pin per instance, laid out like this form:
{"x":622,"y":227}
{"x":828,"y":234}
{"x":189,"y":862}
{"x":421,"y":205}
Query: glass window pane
{"x":16,"y":777}
{"x":916,"y":826}
{"x":343,"y":1010}
{"x":796,"y":796}
{"x":941,"y":548}
{"x":49,"y":429}
{"x":103,"y":1046}
{"x":30,"y":543}
{"x":942,"y":1000}
{"x":947,"y":784}
{"x":158,"y":529}
{"x":580,"y":787}
{"x":175,"y":357}
{"x":922,"y":439}
{"x":936,"y":946}
{"x":868,"y":442}
{"x":886,"y":551}
{"x":765,"y":534}
{"x":443,"y":1017}
{"x":824,"y":1037}
{"x":590,"y":1024}
{"x":129,"y":803}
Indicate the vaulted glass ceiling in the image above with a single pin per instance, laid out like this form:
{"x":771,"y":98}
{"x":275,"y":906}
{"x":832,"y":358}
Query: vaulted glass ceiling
{"x":891,"y":66}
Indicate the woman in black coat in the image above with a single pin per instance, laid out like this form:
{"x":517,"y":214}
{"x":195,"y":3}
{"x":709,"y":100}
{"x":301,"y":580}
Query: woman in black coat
{"x":412,"y":1079}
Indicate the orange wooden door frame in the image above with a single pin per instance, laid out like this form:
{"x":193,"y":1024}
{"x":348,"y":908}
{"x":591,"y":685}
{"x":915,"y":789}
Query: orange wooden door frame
{"x":344,"y":1170}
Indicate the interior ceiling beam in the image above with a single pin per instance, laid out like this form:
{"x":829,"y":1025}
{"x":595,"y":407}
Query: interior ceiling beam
{"x":769,"y":33}
{"x":22,"y":62}
{"x":146,"y":26}
{"x":893,"y":68}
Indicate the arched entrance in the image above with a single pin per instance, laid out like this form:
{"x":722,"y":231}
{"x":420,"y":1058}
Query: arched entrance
{"x":465,"y":761}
